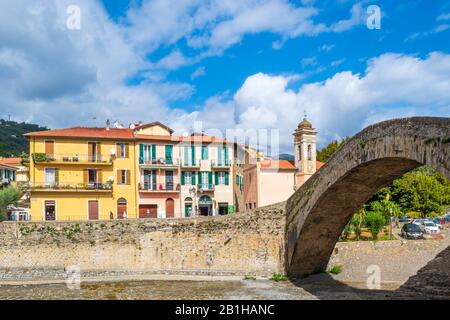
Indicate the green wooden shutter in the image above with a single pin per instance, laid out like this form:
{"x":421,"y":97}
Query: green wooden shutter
{"x":183,"y":178}
{"x":57,"y":176}
{"x":141,"y":154}
{"x":153,"y":152}
{"x":169,"y":152}
{"x":219,"y":155}
{"x":226,"y":160}
{"x":200,"y":178}
{"x":216,"y":176}
{"x":227,"y":178}
{"x":204,"y":153}
{"x":193,"y":155}
{"x":186,"y":155}
{"x":210,"y":181}
{"x":193,"y":178}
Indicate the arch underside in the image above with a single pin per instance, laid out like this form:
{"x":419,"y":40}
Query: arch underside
{"x":318,"y":212}
{"x":327,"y":219}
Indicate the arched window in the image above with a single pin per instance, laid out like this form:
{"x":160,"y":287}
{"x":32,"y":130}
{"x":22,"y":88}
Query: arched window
{"x":122,"y":201}
{"x":309,"y":152}
{"x":188,"y":199}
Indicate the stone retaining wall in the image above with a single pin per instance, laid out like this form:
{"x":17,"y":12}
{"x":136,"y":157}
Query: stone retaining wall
{"x":240,"y":244}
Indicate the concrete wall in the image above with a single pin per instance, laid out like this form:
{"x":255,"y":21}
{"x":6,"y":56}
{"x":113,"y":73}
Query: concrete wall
{"x":239,"y":244}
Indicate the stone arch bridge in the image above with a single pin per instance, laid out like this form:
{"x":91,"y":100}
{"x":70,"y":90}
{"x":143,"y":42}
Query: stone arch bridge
{"x":318,"y":212}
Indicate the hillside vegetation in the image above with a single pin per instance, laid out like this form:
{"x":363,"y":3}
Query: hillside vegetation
{"x":12,"y":141}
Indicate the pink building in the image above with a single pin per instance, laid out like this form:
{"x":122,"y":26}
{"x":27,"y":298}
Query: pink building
{"x":270,"y":181}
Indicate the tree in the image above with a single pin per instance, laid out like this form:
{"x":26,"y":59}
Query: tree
{"x":422,"y":190}
{"x":374,"y":222}
{"x":326,"y":153}
{"x":8,"y":196}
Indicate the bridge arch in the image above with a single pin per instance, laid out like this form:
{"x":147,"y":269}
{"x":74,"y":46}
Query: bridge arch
{"x":317,"y":213}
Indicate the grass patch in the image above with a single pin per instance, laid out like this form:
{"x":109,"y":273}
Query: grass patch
{"x":277,"y":277}
{"x":336,"y":269}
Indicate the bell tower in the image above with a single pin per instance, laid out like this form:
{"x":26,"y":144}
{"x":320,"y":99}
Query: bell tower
{"x":305,"y":140}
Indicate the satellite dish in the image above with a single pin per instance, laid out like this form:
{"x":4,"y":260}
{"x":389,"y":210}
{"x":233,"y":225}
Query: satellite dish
{"x":112,"y":151}
{"x":132,"y":126}
{"x":111,"y":178}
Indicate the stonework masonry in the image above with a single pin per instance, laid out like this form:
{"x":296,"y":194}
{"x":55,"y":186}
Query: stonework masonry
{"x":239,"y":244}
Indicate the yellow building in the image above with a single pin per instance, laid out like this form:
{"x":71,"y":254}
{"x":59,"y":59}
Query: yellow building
{"x":82,"y":173}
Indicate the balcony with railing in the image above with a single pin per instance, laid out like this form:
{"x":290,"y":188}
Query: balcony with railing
{"x":159,"y":187}
{"x":97,"y":159}
{"x":189,"y":163}
{"x":221,"y":164}
{"x":205,"y":187}
{"x":71,"y":187}
{"x":163,"y":163}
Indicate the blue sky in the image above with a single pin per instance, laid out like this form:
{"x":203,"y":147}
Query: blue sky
{"x":228,"y":65}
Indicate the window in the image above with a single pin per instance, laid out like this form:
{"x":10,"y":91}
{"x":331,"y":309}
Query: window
{"x":188,"y":178}
{"x":299,"y":152}
{"x":147,"y":153}
{"x":50,"y":210}
{"x":123,"y":177}
{"x":150,"y":179}
{"x":122,"y":150}
{"x":309,"y":152}
{"x":50,"y":177}
{"x":92,"y":176}
{"x":221,"y":176}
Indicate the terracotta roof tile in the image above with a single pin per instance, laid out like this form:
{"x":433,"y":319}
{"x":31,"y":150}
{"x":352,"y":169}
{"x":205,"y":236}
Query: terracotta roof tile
{"x":277,"y":164}
{"x":11,"y":161}
{"x":319,"y":165}
{"x":82,"y":132}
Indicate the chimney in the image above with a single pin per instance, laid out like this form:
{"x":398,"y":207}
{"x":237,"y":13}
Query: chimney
{"x":107,"y":125}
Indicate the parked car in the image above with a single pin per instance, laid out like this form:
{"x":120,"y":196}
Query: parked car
{"x":419,"y":222}
{"x":439,"y":221}
{"x":411,"y":231}
{"x":430,"y":227}
{"x":404,"y":219}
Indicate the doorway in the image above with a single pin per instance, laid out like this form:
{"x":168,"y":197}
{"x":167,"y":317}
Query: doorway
{"x":148,"y":211}
{"x":93,"y":210}
{"x":170,"y":208}
{"x":223,"y":209}
{"x":205,"y":206}
{"x":50,"y":210}
{"x":122,"y":208}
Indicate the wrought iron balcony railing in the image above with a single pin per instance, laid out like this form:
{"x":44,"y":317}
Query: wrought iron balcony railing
{"x":74,"y":186}
{"x":161,"y":162}
{"x":72,"y":159}
{"x":159,"y":187}
{"x":205,"y":187}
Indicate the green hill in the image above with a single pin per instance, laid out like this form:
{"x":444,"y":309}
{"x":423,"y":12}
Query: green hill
{"x":12,"y":141}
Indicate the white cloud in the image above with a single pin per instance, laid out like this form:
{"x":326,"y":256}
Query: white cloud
{"x":443,"y":17}
{"x":199,"y":72}
{"x":394,"y":85}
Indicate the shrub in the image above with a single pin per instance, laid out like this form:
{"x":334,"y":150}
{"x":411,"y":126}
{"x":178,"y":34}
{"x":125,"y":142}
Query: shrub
{"x":336,"y":269}
{"x":278,"y":277}
{"x":374,"y":222}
